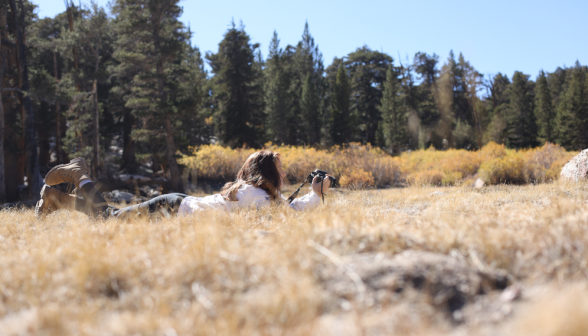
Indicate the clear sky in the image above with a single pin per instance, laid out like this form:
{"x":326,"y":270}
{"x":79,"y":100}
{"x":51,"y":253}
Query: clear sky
{"x":495,"y":36}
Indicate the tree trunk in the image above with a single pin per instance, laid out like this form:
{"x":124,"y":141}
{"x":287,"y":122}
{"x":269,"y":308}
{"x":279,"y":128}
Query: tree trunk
{"x":34,"y":178}
{"x":129,"y":162}
{"x":22,"y":157}
{"x":174,"y":170}
{"x":58,"y":150}
{"x":70,"y":22}
{"x":43,"y":138}
{"x":2,"y":183}
{"x":96,"y":159}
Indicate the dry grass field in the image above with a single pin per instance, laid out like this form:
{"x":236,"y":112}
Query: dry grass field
{"x":420,"y":261}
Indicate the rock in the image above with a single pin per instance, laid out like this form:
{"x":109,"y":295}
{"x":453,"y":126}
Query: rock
{"x":437,"y":193}
{"x":117,"y":196}
{"x":337,"y":325}
{"x":479,"y":184}
{"x":577,"y":168}
{"x":450,"y":281}
{"x":28,"y":204}
{"x":511,"y":293}
{"x":149,"y":191}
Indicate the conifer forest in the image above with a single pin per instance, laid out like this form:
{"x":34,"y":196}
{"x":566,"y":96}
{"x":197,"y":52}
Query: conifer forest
{"x":124,"y":87}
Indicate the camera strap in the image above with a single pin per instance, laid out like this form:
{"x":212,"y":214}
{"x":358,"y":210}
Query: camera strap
{"x":295,"y":194}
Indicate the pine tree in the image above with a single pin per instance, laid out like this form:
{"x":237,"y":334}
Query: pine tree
{"x":448,"y":79}
{"x":572,"y":113}
{"x":87,"y":83}
{"x":237,"y":93}
{"x":496,"y":102}
{"x":368,"y":73}
{"x":151,"y":42}
{"x":544,"y":111}
{"x":340,"y":112}
{"x":394,"y":116}
{"x":19,"y":21}
{"x":190,"y":128}
{"x":309,"y":106}
{"x":308,"y":63}
{"x":278,"y":99}
{"x":461,"y":94}
{"x":427,"y":92}
{"x":558,"y":81}
{"x":475,"y":113}
{"x":520,"y":120}
{"x":457,"y":100}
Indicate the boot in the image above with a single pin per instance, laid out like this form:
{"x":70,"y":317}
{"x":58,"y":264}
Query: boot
{"x":52,"y":199}
{"x":72,"y":172}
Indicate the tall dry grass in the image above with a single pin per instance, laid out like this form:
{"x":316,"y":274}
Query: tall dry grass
{"x":255,"y":271}
{"x":359,"y":166}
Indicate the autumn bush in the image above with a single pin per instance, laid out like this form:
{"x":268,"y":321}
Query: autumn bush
{"x":363,"y":166}
{"x":542,"y":164}
{"x":355,"y":166}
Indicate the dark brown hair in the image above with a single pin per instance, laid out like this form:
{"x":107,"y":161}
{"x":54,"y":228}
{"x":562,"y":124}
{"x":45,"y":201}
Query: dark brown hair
{"x":258,"y":170}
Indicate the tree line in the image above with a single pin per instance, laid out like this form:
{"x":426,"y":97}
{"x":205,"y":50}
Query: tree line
{"x":127,"y":89}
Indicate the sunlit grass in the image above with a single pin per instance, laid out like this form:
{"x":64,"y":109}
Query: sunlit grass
{"x":253,"y":271}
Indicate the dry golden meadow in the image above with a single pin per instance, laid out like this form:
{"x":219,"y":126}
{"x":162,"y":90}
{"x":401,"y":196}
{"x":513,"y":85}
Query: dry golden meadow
{"x":417,"y":260}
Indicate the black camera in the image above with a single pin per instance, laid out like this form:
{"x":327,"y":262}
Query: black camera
{"x":321,"y":176}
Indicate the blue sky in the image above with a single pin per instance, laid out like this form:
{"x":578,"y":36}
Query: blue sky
{"x":495,"y":36}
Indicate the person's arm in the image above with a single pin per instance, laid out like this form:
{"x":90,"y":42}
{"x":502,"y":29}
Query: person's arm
{"x":313,"y":198}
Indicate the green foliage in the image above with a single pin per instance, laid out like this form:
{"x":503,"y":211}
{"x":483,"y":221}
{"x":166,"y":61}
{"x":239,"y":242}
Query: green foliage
{"x":394,"y":116}
{"x":161,"y":74}
{"x":572,"y":112}
{"x":308,"y":89}
{"x":237,"y":94}
{"x":367,"y":70}
{"x":426,"y":101}
{"x":521,"y":126}
{"x":459,"y":83}
{"x":278,"y":98}
{"x":341,"y":119}
{"x":544,"y":110}
{"x":309,"y":104}
{"x":496,"y":104}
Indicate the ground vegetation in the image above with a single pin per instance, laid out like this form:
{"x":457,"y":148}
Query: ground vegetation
{"x":454,"y":260}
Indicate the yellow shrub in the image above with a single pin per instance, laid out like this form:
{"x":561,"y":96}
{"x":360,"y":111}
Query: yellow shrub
{"x":491,"y":151}
{"x":452,"y":178}
{"x":425,"y":178}
{"x":356,"y":179}
{"x":507,"y":169}
{"x":450,"y":166}
{"x":359,"y":166}
{"x":214,"y":162}
{"x":545,"y":163}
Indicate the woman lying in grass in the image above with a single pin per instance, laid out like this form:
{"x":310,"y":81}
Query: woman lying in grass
{"x":258,"y":183}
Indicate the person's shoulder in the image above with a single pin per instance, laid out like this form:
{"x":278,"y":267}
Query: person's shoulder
{"x":191,"y":199}
{"x":248,"y":191}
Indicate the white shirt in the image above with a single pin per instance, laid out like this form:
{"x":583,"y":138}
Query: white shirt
{"x":247,"y":195}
